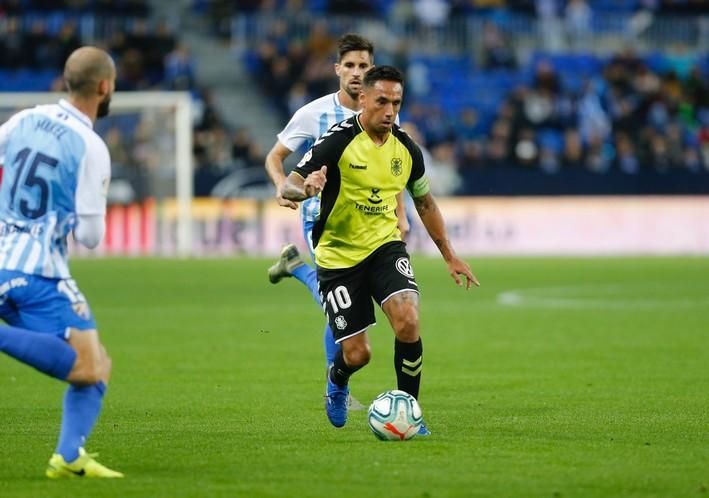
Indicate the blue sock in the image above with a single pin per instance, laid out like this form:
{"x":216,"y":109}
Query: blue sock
{"x":82,"y":404}
{"x":309,"y":277}
{"x":331,"y":347}
{"x":46,"y":352}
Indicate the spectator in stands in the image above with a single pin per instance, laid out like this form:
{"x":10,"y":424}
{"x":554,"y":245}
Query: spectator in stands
{"x":526,"y":149}
{"x":626,"y":159}
{"x":549,"y":25}
{"x":593,"y":121}
{"x":14,"y":52}
{"x":180,"y":73}
{"x":578,"y":17}
{"x":497,"y":50}
{"x":599,"y":156}
{"x":431,"y":13}
{"x":573,"y":155}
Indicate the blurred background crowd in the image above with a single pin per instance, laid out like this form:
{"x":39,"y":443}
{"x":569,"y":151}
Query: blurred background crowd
{"x":508,"y":97}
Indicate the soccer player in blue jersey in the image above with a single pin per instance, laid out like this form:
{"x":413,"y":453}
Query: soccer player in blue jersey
{"x":56,"y":175}
{"x":355,"y":57}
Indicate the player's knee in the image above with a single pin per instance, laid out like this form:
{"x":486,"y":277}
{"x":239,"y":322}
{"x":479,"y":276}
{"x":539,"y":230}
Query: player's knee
{"x":359,"y":356}
{"x":407,"y":325}
{"x":87,"y":373}
{"x":91,"y":369}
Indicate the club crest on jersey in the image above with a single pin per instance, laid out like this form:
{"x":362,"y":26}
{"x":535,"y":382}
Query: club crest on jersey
{"x":403,"y":266}
{"x":340,"y":322}
{"x":396,"y":167}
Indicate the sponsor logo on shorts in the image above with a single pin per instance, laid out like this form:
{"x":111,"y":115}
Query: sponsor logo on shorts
{"x":403,"y":266}
{"x":340,"y":322}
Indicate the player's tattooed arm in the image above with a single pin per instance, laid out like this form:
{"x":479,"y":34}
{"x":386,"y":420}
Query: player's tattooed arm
{"x":298,"y":188}
{"x":433,"y":221}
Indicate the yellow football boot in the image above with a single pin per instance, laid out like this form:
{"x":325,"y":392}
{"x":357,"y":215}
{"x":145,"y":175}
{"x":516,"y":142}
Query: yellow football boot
{"x":84,"y":466}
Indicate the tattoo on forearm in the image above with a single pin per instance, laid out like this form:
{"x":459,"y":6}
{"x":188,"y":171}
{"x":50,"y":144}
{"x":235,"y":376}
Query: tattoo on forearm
{"x":422,"y":205}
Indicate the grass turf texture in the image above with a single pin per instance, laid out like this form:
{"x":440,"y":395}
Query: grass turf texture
{"x":557,"y":378}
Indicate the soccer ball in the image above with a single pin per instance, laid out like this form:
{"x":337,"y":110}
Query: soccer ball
{"x":394,"y":416}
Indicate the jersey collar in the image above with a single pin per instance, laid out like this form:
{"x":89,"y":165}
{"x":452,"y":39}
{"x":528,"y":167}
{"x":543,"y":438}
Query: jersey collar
{"x":68,"y":107}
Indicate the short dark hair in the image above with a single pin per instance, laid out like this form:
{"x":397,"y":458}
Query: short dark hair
{"x":351,"y":42}
{"x":382,"y":73}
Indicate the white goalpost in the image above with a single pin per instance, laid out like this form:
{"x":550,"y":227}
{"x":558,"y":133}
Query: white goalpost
{"x":160,"y":143}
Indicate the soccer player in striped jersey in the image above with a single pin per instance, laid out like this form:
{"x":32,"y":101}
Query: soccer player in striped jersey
{"x":355,"y":57}
{"x":56,"y":175}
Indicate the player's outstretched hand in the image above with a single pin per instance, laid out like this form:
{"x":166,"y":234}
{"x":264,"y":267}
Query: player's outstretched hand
{"x":315,"y":182}
{"x":458,"y":267}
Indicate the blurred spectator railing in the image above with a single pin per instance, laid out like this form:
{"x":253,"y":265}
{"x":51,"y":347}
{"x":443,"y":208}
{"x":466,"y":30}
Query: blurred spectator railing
{"x":606,"y":30}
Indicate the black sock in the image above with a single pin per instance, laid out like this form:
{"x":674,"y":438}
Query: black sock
{"x":408,"y":363}
{"x":341,"y":372}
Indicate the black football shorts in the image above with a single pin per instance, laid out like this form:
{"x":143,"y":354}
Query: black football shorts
{"x":347,"y":293}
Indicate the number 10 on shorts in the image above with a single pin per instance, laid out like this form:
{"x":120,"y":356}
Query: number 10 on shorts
{"x":339,"y":299}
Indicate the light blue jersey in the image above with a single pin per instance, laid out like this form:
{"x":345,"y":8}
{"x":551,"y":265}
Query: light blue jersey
{"x":55,"y":168}
{"x":304,"y":128}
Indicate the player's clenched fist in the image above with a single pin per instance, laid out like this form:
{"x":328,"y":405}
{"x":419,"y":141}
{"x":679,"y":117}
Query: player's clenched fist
{"x":315,"y":182}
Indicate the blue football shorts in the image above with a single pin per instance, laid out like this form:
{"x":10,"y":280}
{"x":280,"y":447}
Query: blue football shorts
{"x":40,"y":304}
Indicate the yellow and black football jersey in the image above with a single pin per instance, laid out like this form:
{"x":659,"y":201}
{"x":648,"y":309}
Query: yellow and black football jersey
{"x":358,"y":203}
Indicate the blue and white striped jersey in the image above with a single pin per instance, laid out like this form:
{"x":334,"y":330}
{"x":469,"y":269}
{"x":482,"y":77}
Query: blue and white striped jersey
{"x":55,"y":168}
{"x":307,"y":125}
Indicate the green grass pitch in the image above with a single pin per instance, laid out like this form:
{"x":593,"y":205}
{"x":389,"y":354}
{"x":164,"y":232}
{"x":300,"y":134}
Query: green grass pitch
{"x":557,"y":378}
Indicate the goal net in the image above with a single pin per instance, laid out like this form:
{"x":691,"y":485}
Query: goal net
{"x":149,"y":136}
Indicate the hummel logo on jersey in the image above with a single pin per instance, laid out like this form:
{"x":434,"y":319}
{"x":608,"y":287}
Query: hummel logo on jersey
{"x":358,"y":166}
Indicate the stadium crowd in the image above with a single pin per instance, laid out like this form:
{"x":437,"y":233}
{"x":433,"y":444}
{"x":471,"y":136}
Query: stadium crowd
{"x":552,"y":110}
{"x":626,"y":112}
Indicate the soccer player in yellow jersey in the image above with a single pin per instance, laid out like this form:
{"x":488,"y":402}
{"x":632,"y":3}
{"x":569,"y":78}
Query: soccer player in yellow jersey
{"x":358,"y":167}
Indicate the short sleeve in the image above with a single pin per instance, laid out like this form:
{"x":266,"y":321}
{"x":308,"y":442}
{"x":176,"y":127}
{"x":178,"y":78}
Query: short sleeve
{"x":93,"y":181}
{"x":5,"y":131}
{"x":296,"y":132}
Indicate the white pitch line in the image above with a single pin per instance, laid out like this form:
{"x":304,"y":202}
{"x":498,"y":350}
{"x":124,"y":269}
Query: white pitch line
{"x":594,"y":297}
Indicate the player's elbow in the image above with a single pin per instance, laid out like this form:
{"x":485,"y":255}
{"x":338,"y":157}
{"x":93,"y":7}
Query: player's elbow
{"x":89,"y":231}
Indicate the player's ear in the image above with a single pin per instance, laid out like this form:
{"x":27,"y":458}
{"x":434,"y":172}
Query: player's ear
{"x":337,"y":68}
{"x":104,"y":88}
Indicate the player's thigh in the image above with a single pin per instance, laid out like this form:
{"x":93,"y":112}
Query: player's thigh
{"x":391,"y":273}
{"x":347,"y":301}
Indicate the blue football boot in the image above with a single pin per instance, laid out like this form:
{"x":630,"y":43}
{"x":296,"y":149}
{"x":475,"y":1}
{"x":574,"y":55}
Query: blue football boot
{"x":336,"y":401}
